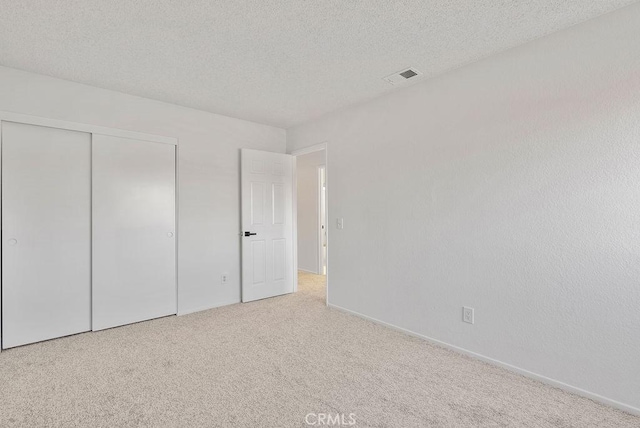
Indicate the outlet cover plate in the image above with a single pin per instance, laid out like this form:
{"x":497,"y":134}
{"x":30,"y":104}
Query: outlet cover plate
{"x":468,"y":315}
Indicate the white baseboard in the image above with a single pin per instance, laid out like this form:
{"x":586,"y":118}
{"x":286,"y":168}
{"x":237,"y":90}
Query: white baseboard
{"x":206,"y":308}
{"x":308,"y":271}
{"x":556,"y":383}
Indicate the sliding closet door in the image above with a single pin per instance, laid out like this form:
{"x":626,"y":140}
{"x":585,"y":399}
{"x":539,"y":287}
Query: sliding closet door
{"x":46,"y":233}
{"x":134,"y":247}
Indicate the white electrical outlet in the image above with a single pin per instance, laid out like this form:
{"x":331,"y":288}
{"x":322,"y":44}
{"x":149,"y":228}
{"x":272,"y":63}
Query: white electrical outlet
{"x":467,"y":314}
{"x":224,"y":278}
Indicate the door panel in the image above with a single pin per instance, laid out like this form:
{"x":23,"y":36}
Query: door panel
{"x":279,"y":259}
{"x":46,"y":223}
{"x":279,"y":203}
{"x":134,"y":243}
{"x":259,"y":256}
{"x":267,"y":211}
{"x":257,"y":204}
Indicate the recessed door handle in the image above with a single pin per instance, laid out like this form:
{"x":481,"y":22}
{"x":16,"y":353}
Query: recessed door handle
{"x":249,"y":234}
{"x":13,"y":241}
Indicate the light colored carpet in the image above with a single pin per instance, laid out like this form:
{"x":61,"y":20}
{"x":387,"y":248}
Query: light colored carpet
{"x":269,"y":364}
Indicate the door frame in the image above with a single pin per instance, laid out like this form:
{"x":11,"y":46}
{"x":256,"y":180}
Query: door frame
{"x":296,"y":153}
{"x":322,"y":170}
{"x":7,"y":116}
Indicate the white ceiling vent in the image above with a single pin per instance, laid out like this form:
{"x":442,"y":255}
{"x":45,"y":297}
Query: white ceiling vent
{"x":402,"y":76}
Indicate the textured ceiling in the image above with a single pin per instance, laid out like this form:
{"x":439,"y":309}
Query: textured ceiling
{"x":275,"y":62}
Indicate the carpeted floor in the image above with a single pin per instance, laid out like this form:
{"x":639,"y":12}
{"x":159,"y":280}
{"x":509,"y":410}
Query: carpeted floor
{"x":269,"y":364}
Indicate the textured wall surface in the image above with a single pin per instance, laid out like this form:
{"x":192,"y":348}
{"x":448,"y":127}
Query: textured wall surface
{"x":208,"y":169}
{"x":512,"y":186}
{"x":308,"y":209}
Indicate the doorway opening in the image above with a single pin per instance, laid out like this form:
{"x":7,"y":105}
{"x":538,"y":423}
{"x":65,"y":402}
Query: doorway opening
{"x":312,"y":229}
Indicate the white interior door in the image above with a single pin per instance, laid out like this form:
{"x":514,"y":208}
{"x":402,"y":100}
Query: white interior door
{"x":267,"y":224}
{"x":134,"y":242}
{"x":46,"y":233}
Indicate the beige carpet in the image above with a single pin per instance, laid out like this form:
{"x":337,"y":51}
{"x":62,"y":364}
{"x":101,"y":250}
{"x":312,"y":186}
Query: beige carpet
{"x":269,"y":364}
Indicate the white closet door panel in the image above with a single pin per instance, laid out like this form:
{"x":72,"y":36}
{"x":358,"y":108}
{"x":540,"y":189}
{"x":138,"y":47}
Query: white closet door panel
{"x":134,"y":247}
{"x":46,"y":223}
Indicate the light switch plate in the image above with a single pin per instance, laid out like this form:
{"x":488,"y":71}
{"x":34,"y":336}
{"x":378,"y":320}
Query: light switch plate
{"x":340,"y":223}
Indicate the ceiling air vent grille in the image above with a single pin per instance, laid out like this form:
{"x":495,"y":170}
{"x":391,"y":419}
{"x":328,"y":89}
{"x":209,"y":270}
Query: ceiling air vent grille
{"x":402,"y":76}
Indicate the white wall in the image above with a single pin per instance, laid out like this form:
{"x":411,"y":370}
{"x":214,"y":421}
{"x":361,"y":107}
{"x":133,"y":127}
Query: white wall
{"x":308,"y":210}
{"x":208,"y":168}
{"x":512,"y":186}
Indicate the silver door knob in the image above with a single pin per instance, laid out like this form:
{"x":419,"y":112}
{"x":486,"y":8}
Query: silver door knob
{"x":170,"y":234}
{"x":13,"y":241}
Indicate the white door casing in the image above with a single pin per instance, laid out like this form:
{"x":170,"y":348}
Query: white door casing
{"x":267,"y":212}
{"x":322,"y":241}
{"x":134,"y":242}
{"x":46,"y":223}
